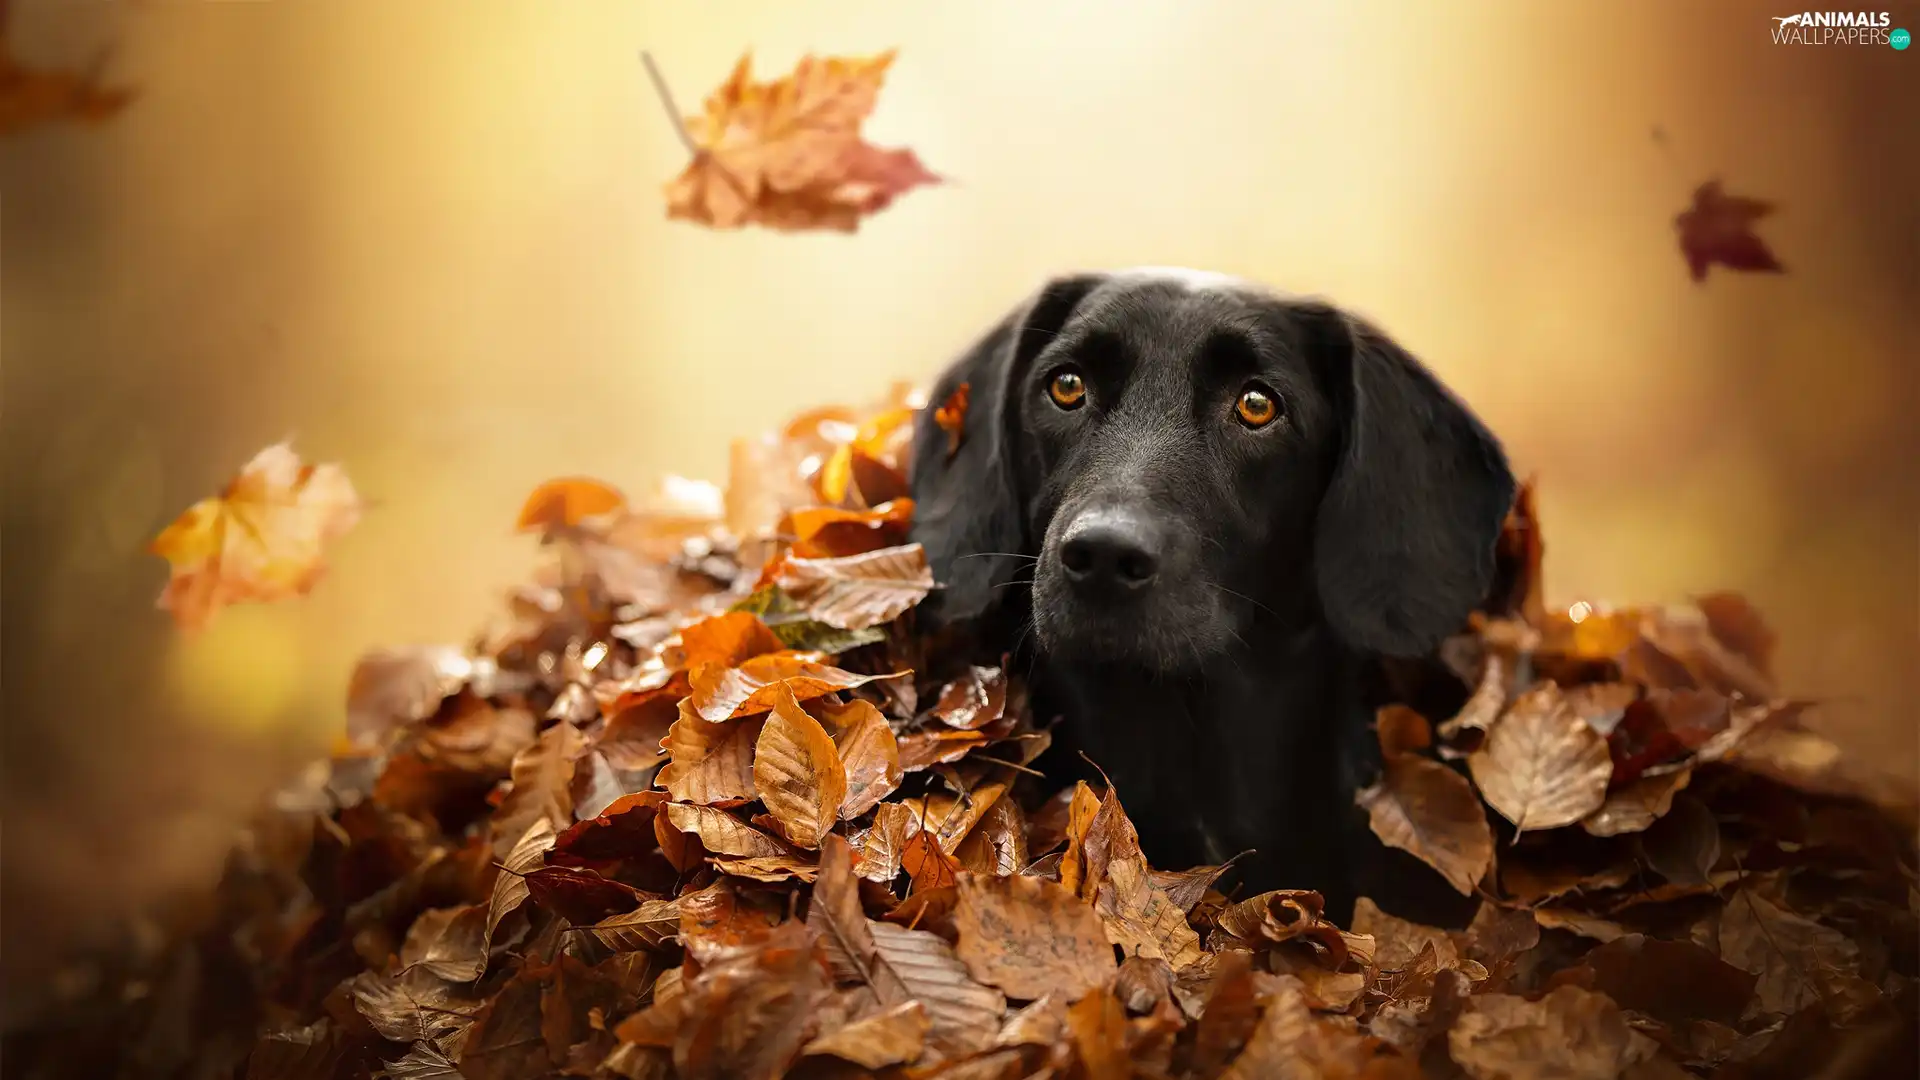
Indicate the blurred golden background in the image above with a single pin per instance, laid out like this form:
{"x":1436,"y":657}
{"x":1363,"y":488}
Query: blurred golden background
{"x":428,"y":241}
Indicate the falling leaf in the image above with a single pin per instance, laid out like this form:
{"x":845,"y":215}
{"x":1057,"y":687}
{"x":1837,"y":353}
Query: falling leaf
{"x":857,"y":591}
{"x":1718,"y":228}
{"x":566,"y":503}
{"x":1430,"y":811}
{"x":1542,"y":765}
{"x":798,"y":773}
{"x":1571,"y":1033}
{"x":788,"y":154}
{"x":263,"y":538}
{"x":951,"y":417}
{"x":1030,"y":937}
{"x":708,"y":762}
{"x":894,"y":1036}
{"x":32,"y":97}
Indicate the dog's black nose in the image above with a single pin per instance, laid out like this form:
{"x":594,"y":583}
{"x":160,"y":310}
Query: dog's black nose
{"x":1106,"y":552}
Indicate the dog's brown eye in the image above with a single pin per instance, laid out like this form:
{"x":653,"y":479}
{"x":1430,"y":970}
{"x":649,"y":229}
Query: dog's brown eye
{"x":1257,"y":408}
{"x":1067,"y":388}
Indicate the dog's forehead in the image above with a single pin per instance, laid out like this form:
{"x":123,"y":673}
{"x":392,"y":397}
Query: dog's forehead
{"x":1173,"y":310}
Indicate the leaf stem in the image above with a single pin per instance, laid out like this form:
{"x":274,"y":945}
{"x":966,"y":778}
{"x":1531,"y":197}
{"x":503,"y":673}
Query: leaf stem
{"x":666,"y":100}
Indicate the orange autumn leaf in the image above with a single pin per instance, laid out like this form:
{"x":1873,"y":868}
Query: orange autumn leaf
{"x":798,"y":772}
{"x":788,"y":155}
{"x":884,"y":438}
{"x":952,"y":416}
{"x":567,"y":502}
{"x":720,"y":693}
{"x":261,"y":539}
{"x":732,"y":637}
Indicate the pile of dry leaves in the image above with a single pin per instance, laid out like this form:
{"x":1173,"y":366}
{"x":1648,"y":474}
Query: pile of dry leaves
{"x":705,"y":805}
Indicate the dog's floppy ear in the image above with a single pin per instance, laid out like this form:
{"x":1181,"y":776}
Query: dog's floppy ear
{"x":1404,"y":543}
{"x":972,"y":502}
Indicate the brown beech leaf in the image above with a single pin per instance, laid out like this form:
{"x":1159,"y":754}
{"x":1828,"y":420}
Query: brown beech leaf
{"x":1542,"y":766}
{"x":727,"y":639}
{"x":1030,"y":937}
{"x":1186,"y":888}
{"x":1430,"y":811}
{"x":1637,"y":805}
{"x":722,"y":833}
{"x":1570,"y":1033}
{"x":857,"y":591}
{"x":868,"y":749}
{"x":262,"y":539}
{"x":1684,"y":844}
{"x":893,"y":1036}
{"x":951,"y":417}
{"x":541,"y":787}
{"x":448,"y":943}
{"x":927,"y":863}
{"x":883,"y":847}
{"x":1098,"y":1026}
{"x":788,"y":154}
{"x":1674,"y":982}
{"x":723,"y":693}
{"x":314,"y":1052}
{"x":973,"y":700}
{"x":826,"y":532}
{"x":1229,"y":1015}
{"x":1397,"y":942}
{"x":925,"y":749}
{"x":623,"y":830}
{"x":1097,"y":831}
{"x":1291,"y":1043}
{"x":746,"y":1014}
{"x":786,"y":866}
{"x":1142,"y":919}
{"x":1796,"y":959}
{"x":798,"y":773}
{"x":566,"y":503}
{"x":962,"y":1014}
{"x":721,"y":920}
{"x":581,"y":897}
{"x":1467,"y":731}
{"x":837,"y":916}
{"x":411,"y":1006}
{"x":709,"y":762}
{"x":998,"y":843}
{"x":392,"y":688}
{"x":1718,"y":228}
{"x":646,"y":927}
{"x":510,"y":884}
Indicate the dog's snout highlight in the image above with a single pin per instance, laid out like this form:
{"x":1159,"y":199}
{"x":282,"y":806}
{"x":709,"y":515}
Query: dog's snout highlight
{"x":1108,"y":553}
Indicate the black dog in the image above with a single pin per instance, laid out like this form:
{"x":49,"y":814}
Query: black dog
{"x":1205,"y":507}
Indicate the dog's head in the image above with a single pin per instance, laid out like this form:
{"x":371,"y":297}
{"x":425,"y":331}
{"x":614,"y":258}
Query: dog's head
{"x":1169,"y":456}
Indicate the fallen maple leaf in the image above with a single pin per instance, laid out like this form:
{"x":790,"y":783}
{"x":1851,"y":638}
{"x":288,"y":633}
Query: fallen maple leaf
{"x":788,"y":154}
{"x":1718,"y":228}
{"x":261,"y":539}
{"x":1543,"y":765}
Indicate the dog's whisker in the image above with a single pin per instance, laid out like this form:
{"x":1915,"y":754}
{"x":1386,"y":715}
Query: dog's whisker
{"x":1244,"y":596}
{"x":1001,"y":554}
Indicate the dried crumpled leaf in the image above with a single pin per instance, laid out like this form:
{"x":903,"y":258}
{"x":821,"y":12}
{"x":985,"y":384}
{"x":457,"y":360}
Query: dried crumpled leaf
{"x":1638,"y":805}
{"x":788,"y":154}
{"x":853,"y":592}
{"x":961,"y":1012}
{"x":541,"y":787}
{"x":1030,"y":937}
{"x":263,"y":538}
{"x":1542,"y":765}
{"x":893,"y":1036}
{"x":709,"y":762}
{"x":1570,"y":1032}
{"x":867,"y":748}
{"x":1796,"y":959}
{"x":1430,"y":811}
{"x":722,"y":693}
